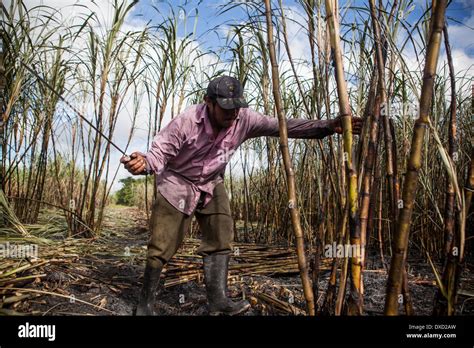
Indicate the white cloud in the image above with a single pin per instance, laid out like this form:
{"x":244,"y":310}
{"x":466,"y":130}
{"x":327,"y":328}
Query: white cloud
{"x":462,"y":41}
{"x":461,"y":38}
{"x":68,"y":14}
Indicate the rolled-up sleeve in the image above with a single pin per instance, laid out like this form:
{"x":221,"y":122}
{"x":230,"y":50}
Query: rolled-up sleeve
{"x":261,"y":125}
{"x":165,"y":146}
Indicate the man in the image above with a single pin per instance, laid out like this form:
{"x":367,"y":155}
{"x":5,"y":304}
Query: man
{"x":189,"y":157}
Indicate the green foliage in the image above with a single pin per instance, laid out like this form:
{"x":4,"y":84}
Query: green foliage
{"x":130,"y":193}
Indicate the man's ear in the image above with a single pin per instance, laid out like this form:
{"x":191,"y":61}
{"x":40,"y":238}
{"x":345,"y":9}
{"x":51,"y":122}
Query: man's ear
{"x":209,"y":102}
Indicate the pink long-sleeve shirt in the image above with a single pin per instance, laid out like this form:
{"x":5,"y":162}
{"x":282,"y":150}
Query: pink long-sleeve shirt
{"x":187,"y":159}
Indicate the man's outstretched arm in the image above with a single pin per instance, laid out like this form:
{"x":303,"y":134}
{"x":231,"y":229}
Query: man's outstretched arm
{"x":166,"y":145}
{"x":261,"y":125}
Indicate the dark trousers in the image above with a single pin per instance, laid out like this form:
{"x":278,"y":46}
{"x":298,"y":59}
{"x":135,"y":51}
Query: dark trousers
{"x":168,"y":227}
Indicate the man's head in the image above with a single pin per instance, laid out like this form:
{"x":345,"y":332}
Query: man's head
{"x":224,"y":98}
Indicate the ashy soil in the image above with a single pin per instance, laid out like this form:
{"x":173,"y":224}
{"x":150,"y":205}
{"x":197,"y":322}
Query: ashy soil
{"x":104,"y":277}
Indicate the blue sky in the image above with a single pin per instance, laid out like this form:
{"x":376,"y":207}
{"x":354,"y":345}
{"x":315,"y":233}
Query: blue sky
{"x":213,"y":24}
{"x":459,"y":14}
{"x":212,"y":27}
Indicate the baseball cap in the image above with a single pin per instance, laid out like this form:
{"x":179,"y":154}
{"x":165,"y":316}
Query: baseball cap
{"x":228,"y":92}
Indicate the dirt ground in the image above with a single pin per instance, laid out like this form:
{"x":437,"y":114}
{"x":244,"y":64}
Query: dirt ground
{"x":104,"y":281}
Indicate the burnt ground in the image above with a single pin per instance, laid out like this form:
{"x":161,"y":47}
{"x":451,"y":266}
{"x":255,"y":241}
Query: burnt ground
{"x":103,"y":277}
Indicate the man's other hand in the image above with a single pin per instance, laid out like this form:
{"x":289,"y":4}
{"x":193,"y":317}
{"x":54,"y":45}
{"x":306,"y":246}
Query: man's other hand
{"x":136,"y":165}
{"x":357,"y":123}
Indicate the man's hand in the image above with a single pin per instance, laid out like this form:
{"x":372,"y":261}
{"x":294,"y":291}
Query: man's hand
{"x":136,"y":165}
{"x":357,"y":123}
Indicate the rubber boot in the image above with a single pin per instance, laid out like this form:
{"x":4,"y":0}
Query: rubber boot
{"x":216,"y":267}
{"x":151,"y":281}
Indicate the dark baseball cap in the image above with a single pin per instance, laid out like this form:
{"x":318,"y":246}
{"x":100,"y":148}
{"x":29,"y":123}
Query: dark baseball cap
{"x":228,"y":92}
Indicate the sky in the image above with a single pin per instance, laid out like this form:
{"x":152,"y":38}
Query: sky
{"x":213,"y":24}
{"x":460,"y":16}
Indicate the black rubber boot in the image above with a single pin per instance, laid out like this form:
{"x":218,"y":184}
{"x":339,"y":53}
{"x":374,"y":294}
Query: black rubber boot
{"x":216,"y":268}
{"x":151,"y":281}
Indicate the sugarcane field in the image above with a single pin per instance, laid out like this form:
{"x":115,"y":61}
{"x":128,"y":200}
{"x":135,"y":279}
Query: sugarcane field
{"x":237,"y":158}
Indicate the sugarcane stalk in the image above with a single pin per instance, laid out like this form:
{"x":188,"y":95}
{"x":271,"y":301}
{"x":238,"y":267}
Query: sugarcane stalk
{"x":379,"y":189}
{"x":469,"y":188}
{"x":292,"y":202}
{"x":344,"y":269}
{"x":355,"y":301}
{"x":407,"y":301}
{"x":380,"y":102}
{"x":446,"y":306}
{"x":414,"y":161}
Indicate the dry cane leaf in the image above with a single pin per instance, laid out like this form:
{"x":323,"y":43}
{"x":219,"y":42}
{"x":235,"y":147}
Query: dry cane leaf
{"x":103,"y":302}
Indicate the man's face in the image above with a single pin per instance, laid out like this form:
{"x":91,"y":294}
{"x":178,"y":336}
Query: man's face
{"x":223,"y":118}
